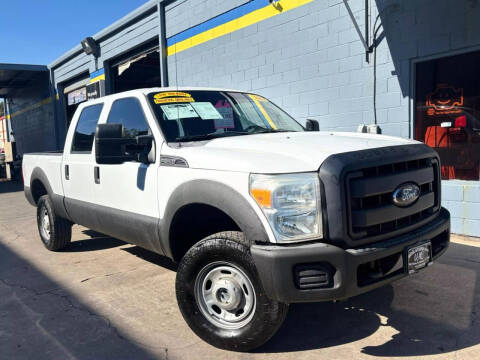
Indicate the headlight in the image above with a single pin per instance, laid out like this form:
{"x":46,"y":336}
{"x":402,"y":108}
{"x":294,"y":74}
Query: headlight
{"x":291,"y":204}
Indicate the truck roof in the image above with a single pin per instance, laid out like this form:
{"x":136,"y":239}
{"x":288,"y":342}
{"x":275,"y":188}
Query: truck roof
{"x":146,"y":91}
{"x":186,"y":88}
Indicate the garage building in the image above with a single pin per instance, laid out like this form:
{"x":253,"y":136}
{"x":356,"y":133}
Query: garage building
{"x":409,"y":67}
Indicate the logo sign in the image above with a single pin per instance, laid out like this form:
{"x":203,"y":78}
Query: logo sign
{"x":444,"y":99}
{"x":406,"y":194}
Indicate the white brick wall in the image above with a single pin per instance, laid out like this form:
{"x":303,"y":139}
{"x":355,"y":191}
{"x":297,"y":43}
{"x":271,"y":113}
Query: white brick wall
{"x":462,"y":199}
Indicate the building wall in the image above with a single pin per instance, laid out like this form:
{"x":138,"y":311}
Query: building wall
{"x":182,"y":15}
{"x":32,"y":120}
{"x":143,"y":29}
{"x":307,"y":57}
{"x":310,"y":60}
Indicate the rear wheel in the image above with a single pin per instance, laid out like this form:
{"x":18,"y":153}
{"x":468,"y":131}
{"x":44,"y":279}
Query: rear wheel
{"x":221,"y":297}
{"x":55,"y":232}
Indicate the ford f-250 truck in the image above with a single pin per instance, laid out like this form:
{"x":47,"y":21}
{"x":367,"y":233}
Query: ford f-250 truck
{"x":257,"y":210}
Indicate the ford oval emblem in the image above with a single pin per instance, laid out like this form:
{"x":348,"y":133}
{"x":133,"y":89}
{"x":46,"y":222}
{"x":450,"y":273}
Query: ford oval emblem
{"x":406,"y":194}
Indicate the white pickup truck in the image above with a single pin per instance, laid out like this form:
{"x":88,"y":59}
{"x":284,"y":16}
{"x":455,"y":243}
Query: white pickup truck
{"x":258,"y":211}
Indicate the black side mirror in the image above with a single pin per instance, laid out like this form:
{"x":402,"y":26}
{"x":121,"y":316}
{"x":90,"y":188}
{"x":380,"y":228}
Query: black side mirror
{"x":145,"y":143}
{"x":144,"y":140}
{"x":312,"y":125}
{"x":110,"y":144}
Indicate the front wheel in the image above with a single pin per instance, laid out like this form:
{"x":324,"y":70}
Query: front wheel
{"x":221,"y":297}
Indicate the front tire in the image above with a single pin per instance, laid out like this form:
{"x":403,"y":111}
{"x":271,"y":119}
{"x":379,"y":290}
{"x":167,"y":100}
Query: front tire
{"x":55,"y":232}
{"x":221,"y":297}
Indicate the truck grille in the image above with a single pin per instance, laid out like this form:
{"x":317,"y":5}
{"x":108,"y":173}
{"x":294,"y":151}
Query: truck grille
{"x":370,"y":210}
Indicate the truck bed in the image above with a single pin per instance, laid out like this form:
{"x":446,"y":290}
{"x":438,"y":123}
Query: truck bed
{"x":48,"y":163}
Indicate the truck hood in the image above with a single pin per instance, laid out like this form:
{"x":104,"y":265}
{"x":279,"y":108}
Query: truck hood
{"x":277,"y":152}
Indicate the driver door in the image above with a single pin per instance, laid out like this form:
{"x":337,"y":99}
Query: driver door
{"x":127,"y":193}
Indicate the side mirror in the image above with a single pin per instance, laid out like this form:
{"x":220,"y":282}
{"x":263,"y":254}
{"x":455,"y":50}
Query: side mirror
{"x":312,"y":125}
{"x":110,"y":144}
{"x":146,"y":154}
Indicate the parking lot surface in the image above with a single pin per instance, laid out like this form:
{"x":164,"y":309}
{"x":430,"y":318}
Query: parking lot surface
{"x":104,"y":299}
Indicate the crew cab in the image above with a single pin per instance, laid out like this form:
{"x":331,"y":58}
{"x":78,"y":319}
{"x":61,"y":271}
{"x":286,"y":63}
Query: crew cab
{"x":257,"y":210}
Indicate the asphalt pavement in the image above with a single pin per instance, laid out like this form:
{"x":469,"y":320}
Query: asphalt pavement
{"x":104,"y":299}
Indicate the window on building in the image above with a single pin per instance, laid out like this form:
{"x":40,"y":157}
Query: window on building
{"x":85,"y":130}
{"x":129,"y":113}
{"x":447,"y":112}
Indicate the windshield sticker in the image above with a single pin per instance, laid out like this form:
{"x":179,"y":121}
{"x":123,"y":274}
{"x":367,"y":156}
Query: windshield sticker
{"x":171,"y":94}
{"x":224,"y":124}
{"x":206,"y":111}
{"x":257,"y":97}
{"x":179,"y":111}
{"x":226,"y":110}
{"x":173,"y":100}
{"x":257,"y":101}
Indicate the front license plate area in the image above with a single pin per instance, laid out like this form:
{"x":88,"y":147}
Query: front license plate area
{"x":417,"y":257}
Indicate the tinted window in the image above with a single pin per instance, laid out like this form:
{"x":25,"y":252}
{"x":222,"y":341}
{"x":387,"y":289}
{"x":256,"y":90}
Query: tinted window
{"x":129,"y":113}
{"x":85,"y":130}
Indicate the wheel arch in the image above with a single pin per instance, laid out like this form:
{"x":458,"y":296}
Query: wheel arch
{"x":39,"y":186}
{"x":214,"y":195}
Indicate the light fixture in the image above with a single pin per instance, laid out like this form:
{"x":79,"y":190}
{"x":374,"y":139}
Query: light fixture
{"x":90,"y":47}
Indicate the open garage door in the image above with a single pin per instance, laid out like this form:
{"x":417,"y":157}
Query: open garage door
{"x":29,"y":116}
{"x":137,"y":69}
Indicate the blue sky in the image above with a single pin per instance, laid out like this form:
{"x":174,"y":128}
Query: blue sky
{"x":39,"y":31}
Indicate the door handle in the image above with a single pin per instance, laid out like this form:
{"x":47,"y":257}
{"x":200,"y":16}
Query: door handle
{"x":96,"y":174}
{"x":67,"y":172}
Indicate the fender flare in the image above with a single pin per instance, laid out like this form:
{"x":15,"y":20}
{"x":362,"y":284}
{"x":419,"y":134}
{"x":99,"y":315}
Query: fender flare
{"x":220,"y":196}
{"x":57,"y":200}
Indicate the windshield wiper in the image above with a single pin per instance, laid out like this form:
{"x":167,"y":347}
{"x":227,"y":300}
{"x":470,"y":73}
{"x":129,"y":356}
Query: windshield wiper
{"x":210,"y":136}
{"x":265,"y":131}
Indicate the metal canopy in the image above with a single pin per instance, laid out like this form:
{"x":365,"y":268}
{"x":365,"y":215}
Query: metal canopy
{"x":16,"y":78}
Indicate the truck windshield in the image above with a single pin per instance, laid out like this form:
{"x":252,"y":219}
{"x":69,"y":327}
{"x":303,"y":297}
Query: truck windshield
{"x":203,"y":115}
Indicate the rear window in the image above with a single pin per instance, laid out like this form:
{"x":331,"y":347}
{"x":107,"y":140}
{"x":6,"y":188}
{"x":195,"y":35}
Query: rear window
{"x":85,"y":130}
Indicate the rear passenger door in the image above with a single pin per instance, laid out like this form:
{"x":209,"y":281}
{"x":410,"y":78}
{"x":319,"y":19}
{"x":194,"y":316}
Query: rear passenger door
{"x":78,"y":164}
{"x":127,"y":193}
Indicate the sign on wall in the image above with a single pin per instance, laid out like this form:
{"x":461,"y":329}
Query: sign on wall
{"x":95,"y":90}
{"x":77,"y":96}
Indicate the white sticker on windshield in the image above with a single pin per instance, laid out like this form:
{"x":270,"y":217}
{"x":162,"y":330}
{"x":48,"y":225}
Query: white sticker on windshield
{"x":206,"y":111}
{"x":179,"y":111}
{"x":226,"y":121}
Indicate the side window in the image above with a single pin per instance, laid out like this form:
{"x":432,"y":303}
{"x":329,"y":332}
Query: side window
{"x":85,"y":130}
{"x":129,"y":113}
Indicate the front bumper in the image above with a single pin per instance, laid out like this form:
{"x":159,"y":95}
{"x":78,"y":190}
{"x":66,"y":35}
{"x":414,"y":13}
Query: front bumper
{"x":278,"y":265}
